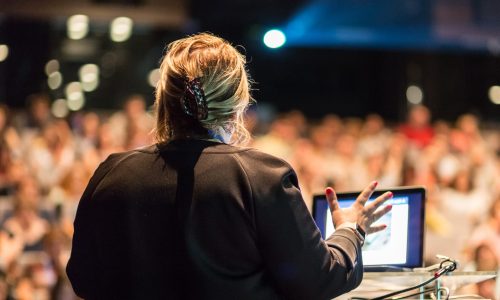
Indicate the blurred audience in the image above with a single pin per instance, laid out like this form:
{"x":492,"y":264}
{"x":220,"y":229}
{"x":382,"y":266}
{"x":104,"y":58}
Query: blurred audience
{"x":46,"y":162}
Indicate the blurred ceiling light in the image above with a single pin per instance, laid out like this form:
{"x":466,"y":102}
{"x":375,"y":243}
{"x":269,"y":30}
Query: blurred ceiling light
{"x":76,"y":104}
{"x":60,"y":108}
{"x":90,"y":86}
{"x":494,"y":94}
{"x":274,"y":38}
{"x":74,"y":94}
{"x":154,"y":77}
{"x":77,"y":27}
{"x":414,"y":94}
{"x":89,"y":77}
{"x":55,"y":80}
{"x":4,"y":52}
{"x":121,"y":29}
{"x":51,"y":66}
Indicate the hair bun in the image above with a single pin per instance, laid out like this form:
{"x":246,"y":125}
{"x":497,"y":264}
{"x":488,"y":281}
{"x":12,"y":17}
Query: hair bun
{"x":194,"y":102}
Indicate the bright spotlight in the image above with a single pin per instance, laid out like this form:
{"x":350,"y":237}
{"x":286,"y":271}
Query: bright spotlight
{"x":414,"y":94}
{"x":60,"y":108}
{"x":4,"y":52}
{"x":494,"y":94}
{"x":121,"y":29}
{"x":77,"y":27}
{"x":154,"y":77}
{"x":274,"y":38}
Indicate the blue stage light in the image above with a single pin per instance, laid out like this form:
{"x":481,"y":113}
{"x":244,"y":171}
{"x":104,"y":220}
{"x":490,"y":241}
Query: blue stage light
{"x":274,"y":38}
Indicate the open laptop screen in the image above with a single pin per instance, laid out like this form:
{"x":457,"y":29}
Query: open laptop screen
{"x":401,"y":243}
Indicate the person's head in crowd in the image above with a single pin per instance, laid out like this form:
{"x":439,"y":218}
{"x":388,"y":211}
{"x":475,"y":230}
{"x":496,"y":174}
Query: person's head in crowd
{"x":459,"y":141}
{"x":419,"y":116}
{"x":321,"y":137}
{"x":27,"y":195}
{"x":442,"y":127}
{"x":90,"y":125}
{"x":106,"y":139}
{"x":463,"y":181}
{"x":373,"y":124}
{"x":486,"y":260}
{"x":213,"y":73}
{"x":299,"y":120}
{"x":284,"y":128}
{"x":375,"y":164}
{"x":39,"y":110}
{"x":353,"y":126}
{"x":417,"y":129}
{"x":75,"y":181}
{"x":346,"y":145}
{"x":468,"y":124}
{"x":4,"y":118}
{"x":333,"y":123}
{"x":25,"y":288}
{"x":64,"y":131}
{"x":16,"y":171}
{"x":5,"y":157}
{"x":51,"y":136}
{"x":135,"y":106}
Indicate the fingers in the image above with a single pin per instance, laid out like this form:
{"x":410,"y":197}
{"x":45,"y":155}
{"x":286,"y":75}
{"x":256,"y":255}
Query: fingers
{"x":332,"y":199}
{"x":379,"y":201}
{"x":366,"y":193}
{"x":379,"y":213}
{"x":376,"y":228}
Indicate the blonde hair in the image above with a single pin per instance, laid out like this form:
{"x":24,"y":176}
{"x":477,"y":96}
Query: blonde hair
{"x":224,"y":80}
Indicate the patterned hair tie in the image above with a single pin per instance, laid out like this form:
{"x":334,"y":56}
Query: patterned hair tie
{"x":194,"y":101}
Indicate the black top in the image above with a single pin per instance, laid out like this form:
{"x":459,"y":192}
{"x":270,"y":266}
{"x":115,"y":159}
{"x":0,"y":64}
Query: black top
{"x":198,"y":219}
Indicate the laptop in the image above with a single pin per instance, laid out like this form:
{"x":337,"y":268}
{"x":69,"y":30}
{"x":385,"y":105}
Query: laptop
{"x":400,"y":246}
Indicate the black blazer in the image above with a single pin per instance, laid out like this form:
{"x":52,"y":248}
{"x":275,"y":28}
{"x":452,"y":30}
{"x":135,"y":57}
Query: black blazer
{"x":198,"y":219}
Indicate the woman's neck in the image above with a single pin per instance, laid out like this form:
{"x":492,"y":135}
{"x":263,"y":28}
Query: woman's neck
{"x":218,"y":135}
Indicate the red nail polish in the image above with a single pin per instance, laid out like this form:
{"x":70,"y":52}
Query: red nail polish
{"x":328,"y":191}
{"x":389,"y":206}
{"x":375,"y":183}
{"x":390,"y":194}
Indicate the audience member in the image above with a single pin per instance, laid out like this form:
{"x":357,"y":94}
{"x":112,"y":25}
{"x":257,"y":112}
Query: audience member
{"x":418,"y":129}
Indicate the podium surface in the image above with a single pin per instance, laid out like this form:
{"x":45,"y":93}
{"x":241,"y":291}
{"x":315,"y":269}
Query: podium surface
{"x":376,"y":284}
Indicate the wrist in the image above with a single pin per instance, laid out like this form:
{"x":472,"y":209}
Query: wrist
{"x":360,"y":233}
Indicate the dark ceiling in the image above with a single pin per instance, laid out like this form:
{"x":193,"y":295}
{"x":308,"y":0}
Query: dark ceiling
{"x":347,"y":79}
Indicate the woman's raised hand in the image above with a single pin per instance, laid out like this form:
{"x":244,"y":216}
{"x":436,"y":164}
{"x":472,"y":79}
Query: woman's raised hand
{"x":361,"y":213}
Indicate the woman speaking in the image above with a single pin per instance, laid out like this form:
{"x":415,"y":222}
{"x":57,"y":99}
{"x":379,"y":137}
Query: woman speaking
{"x":197,"y":217}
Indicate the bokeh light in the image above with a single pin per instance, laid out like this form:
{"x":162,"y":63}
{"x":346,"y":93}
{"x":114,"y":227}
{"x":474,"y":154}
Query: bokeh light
{"x":52,"y":66}
{"x":60,"y":108}
{"x":54,"y":80}
{"x":121,"y":29}
{"x":154,"y":77}
{"x":414,"y":94}
{"x":74,"y":94}
{"x":4,"y":52}
{"x":77,"y":27}
{"x":494,"y":94}
{"x":89,"y":77}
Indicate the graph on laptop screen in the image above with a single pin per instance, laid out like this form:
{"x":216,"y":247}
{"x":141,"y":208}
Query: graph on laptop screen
{"x":401,"y":243}
{"x":387,"y":246}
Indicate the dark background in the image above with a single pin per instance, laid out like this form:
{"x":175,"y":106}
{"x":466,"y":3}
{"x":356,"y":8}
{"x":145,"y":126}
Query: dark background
{"x":448,"y":48}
